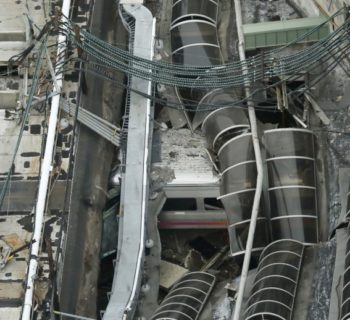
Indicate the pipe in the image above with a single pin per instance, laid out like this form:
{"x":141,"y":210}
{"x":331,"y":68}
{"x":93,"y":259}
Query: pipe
{"x":259,"y":164}
{"x":45,"y":175}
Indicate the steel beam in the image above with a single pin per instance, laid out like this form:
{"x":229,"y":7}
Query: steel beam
{"x":134,"y":192}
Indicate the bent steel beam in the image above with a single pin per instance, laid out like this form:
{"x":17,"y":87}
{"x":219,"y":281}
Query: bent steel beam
{"x":127,"y":273}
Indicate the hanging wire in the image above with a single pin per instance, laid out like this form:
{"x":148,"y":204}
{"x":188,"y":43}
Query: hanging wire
{"x":101,"y":71}
{"x":222,"y":76}
{"x":228,"y":75}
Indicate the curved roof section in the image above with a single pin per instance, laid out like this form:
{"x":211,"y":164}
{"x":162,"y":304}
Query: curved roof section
{"x":238,"y":206}
{"x":289,"y":142}
{"x":228,"y":155}
{"x":239,"y":178}
{"x":274,"y":288}
{"x":290,"y":160}
{"x":223,"y":124}
{"x":197,"y":54}
{"x":186,"y":298}
{"x":213,"y":98}
{"x":198,"y":9}
{"x":238,"y":236}
{"x":190,"y":32}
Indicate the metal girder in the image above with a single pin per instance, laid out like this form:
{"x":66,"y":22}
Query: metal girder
{"x":102,"y":127}
{"x":134,"y":192}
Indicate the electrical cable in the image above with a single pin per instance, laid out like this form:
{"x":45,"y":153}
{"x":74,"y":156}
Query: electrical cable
{"x":201,"y":77}
{"x":205,"y":106}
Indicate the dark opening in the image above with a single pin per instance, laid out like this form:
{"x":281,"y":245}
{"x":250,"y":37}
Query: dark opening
{"x":178,"y":204}
{"x":212,"y":204}
{"x":35,"y":129}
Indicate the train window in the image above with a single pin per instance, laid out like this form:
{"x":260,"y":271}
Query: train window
{"x":212,"y":204}
{"x":180,"y":204}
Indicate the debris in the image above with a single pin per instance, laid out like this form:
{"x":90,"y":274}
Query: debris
{"x":170,"y":273}
{"x":194,"y":260}
{"x":9,"y":246}
{"x":339,"y":98}
{"x":5,"y":253}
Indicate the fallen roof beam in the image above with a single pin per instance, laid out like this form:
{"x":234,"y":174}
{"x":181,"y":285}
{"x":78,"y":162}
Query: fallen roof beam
{"x":134,"y":192}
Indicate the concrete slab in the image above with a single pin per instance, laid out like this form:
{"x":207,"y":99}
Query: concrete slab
{"x":170,"y":273}
{"x":185,"y":154}
{"x":8,"y":99}
{"x":135,"y":180}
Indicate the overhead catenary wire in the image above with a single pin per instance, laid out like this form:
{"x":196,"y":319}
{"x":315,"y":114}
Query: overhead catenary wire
{"x":222,"y":76}
{"x":197,"y":69}
{"x":218,"y":76}
{"x":282,"y":68}
{"x":100,"y":71}
{"x":200,"y":71}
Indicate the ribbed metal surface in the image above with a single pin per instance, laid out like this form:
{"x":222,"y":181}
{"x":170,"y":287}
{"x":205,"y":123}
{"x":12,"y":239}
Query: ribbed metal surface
{"x":223,"y":124}
{"x":276,"y":281}
{"x":186,"y":298}
{"x":226,"y":131}
{"x":292,"y":184}
{"x":200,"y":9}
